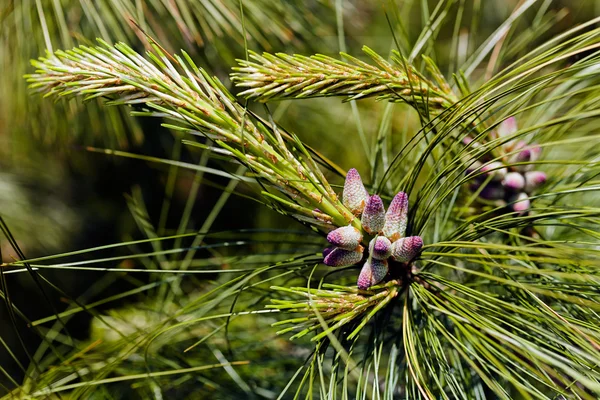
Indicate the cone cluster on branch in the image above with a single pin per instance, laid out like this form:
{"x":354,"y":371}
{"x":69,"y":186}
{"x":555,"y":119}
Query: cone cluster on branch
{"x":386,"y":230}
{"x":512,"y":180}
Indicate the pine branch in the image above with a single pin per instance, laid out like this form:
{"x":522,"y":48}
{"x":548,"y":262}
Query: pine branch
{"x":282,"y":76}
{"x":337,"y":305}
{"x":213,"y":30}
{"x":177,"y":89}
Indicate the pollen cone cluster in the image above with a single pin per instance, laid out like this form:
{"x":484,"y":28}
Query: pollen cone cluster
{"x":386,"y":230}
{"x":512,"y":180}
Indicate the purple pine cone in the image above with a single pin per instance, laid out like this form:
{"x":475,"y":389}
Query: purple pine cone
{"x":522,"y":156}
{"x":354,"y":195}
{"x":517,"y":145}
{"x":396,"y":216}
{"x":406,"y":248}
{"x":534,"y":179}
{"x":373,"y":272}
{"x":521,"y":204}
{"x":536,"y":152}
{"x":373,"y":217}
{"x":507,"y":127}
{"x":496,"y":169}
{"x":514,"y":181}
{"x":346,"y":237}
{"x":342,"y":258}
{"x":380,"y":248}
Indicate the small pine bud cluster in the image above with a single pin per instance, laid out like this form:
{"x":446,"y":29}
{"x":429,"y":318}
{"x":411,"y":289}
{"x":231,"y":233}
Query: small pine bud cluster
{"x":506,"y":181}
{"x":387,"y":229}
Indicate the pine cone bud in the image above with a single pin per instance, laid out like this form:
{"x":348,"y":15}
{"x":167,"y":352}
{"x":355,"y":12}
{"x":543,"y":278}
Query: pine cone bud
{"x":396,"y":216}
{"x":373,"y":216}
{"x":514,"y":181}
{"x":534,"y":179}
{"x":522,"y":156}
{"x":373,"y":272}
{"x":342,"y":258}
{"x":354,"y":195}
{"x":496,"y":169}
{"x":536,"y":152}
{"x":346,"y":237}
{"x":406,"y":248}
{"x":521,"y":204}
{"x":380,"y":248}
{"x":507,"y":127}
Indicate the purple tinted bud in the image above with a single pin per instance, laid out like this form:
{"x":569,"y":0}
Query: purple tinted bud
{"x":380,"y":248}
{"x":343,"y":258}
{"x":406,"y":248}
{"x":346,"y":237}
{"x":496,"y":169}
{"x":354,"y":195}
{"x":507,"y":127}
{"x":373,"y":272}
{"x":519,"y":145}
{"x":514,"y":181}
{"x":534,"y":179}
{"x":327,"y":250}
{"x":531,"y":154}
{"x":536,"y":152}
{"x":521,"y":204}
{"x":522,"y":156}
{"x":396,"y":216}
{"x":373,"y":216}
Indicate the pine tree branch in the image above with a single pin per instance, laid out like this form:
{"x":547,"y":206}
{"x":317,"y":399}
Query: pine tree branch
{"x":282,"y":76}
{"x":337,"y":305}
{"x":179,"y":90}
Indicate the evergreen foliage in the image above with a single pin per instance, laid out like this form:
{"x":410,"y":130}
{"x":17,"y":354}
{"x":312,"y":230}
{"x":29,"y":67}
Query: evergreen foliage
{"x":500,"y":299}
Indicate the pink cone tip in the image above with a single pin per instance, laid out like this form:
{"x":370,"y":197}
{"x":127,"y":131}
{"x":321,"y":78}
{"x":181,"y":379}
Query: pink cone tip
{"x":522,"y":156}
{"x":354,"y":195}
{"x":380,"y":248}
{"x":522,"y":203}
{"x":343,"y":258}
{"x":514,"y":181}
{"x":396,"y":217}
{"x":496,"y":169}
{"x":346,"y":237}
{"x":507,"y":127}
{"x":406,"y":248}
{"x":536,"y":152}
{"x":534,"y":179}
{"x":373,"y":217}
